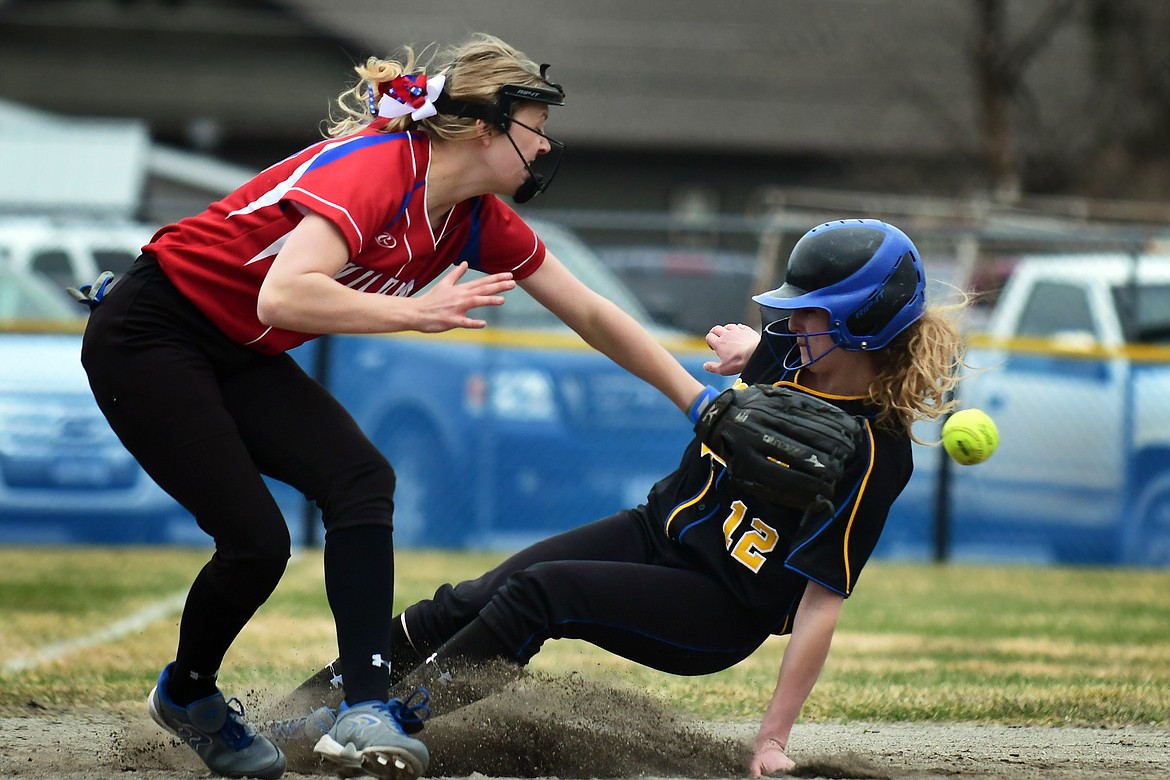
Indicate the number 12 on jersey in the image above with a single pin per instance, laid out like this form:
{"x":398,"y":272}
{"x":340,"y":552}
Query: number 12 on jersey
{"x":753,"y":546}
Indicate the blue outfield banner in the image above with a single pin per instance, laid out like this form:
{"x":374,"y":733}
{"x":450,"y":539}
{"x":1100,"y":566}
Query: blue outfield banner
{"x":497,"y":438}
{"x":500,"y":437}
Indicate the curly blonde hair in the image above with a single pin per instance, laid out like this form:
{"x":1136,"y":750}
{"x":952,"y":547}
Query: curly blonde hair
{"x":475,"y":71}
{"x":919,"y":370}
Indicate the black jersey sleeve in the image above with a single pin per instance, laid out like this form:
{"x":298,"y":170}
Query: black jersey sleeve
{"x":762,"y":368}
{"x":831,"y":548}
{"x":766,"y":366}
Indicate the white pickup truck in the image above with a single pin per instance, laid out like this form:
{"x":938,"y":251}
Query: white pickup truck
{"x":1074,"y":367}
{"x":70,"y":252}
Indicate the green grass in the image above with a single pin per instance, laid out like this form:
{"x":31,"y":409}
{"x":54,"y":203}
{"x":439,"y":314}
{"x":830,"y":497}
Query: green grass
{"x":1006,"y":644}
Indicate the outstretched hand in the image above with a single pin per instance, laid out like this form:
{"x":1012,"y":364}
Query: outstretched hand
{"x":770,"y":759}
{"x":445,"y":305}
{"x":733,"y":344}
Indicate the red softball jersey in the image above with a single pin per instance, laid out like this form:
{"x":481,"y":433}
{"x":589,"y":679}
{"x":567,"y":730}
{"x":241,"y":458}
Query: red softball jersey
{"x":372,"y":185}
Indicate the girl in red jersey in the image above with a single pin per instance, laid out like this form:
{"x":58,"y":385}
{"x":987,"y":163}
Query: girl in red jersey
{"x":187,"y":359}
{"x":699,"y":576}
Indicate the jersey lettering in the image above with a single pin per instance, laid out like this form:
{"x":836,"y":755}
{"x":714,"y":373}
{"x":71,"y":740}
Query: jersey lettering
{"x":365,"y":280}
{"x":738,"y":510}
{"x":753,"y":546}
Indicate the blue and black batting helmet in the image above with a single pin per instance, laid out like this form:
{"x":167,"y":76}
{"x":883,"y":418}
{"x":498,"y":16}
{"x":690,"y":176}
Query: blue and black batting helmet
{"x":865,"y":273}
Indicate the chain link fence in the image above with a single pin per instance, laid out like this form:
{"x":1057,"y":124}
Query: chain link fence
{"x":1069,"y":351}
{"x":514,"y":433}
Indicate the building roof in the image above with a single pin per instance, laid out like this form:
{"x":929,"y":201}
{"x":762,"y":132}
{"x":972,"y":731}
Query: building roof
{"x":800,"y":77}
{"x":52,"y":165}
{"x":74,"y":166}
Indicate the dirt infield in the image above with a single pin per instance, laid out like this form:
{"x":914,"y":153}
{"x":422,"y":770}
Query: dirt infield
{"x":558,"y":728}
{"x":101,"y":746}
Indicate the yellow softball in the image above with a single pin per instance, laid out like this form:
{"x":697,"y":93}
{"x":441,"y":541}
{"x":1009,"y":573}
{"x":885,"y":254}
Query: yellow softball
{"x":970,"y":436}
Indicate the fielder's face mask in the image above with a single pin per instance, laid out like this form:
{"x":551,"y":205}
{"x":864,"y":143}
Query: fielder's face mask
{"x":501,"y":115}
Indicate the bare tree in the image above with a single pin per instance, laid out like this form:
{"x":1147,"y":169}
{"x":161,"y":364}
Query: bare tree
{"x":1000,"y":64}
{"x":1130,"y":73}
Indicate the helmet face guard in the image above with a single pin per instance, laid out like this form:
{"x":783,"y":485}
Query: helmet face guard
{"x":780,"y":341}
{"x":867,"y":275}
{"x":500,"y":115}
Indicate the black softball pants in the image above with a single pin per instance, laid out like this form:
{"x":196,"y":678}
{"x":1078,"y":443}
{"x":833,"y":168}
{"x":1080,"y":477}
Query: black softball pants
{"x":617,"y":583}
{"x":206,"y":417}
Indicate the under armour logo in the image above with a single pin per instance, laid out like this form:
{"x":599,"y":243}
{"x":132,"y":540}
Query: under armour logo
{"x":376,"y":660}
{"x":444,"y":677}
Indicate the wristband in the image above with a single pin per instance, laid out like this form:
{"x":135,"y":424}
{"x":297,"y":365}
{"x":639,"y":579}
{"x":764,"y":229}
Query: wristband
{"x":706,"y":395}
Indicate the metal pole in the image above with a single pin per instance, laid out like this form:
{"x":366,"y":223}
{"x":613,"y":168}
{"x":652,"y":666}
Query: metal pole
{"x":1130,"y":536}
{"x":942,"y":509}
{"x":942,"y":494}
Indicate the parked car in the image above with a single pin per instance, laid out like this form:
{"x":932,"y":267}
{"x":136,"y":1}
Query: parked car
{"x":1074,"y":367}
{"x":687,"y":288}
{"x":517,"y":431}
{"x":64,"y":476}
{"x":70,"y":252}
{"x":498,"y":436}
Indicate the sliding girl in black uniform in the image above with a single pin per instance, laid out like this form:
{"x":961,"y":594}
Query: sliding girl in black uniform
{"x":694,"y":580}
